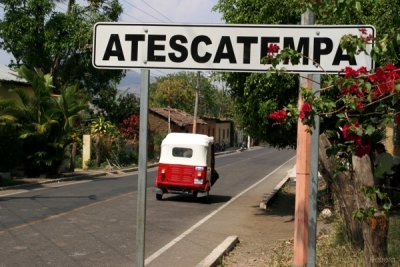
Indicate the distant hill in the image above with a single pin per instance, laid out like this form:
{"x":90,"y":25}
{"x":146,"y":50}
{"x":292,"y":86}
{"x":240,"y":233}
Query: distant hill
{"x":131,"y":82}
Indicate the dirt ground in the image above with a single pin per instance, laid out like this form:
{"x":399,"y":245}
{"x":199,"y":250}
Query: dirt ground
{"x":270,"y":228}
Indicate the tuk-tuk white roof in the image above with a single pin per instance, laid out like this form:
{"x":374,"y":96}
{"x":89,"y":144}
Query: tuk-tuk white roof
{"x":187,"y":139}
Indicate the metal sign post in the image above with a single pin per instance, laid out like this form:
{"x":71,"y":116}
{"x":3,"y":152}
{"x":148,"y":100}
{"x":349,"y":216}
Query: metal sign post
{"x":313,"y":191}
{"x":142,"y":178}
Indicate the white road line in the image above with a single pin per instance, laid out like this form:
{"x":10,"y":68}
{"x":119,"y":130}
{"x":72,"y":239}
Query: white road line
{"x":199,"y":223}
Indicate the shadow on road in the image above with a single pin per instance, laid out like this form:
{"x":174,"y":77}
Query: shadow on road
{"x":212,"y":199}
{"x":91,"y":197}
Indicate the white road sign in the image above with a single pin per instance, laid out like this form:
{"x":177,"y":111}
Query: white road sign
{"x":224,"y":47}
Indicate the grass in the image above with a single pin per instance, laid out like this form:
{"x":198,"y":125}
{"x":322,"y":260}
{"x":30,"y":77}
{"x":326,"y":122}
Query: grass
{"x":333,"y":250}
{"x":394,"y":238}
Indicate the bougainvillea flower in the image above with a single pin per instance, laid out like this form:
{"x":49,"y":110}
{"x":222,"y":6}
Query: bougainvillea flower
{"x":397,"y":119}
{"x":279,"y":115}
{"x":306,"y":108}
{"x":273,"y":49}
{"x":349,"y":72}
{"x":362,"y":150}
{"x":349,"y":135}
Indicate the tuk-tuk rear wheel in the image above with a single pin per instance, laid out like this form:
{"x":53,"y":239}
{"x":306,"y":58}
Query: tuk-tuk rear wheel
{"x":206,"y":198}
{"x":159,"y":196}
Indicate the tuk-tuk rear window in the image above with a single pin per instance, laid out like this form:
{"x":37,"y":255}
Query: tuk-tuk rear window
{"x":182,"y":152}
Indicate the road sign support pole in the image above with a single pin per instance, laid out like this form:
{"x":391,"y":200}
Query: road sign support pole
{"x":142,"y":178}
{"x":313,"y":191}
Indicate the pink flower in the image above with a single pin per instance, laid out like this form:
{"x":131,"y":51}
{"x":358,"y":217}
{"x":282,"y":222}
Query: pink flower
{"x":397,"y":119}
{"x":273,"y":49}
{"x":349,"y":72}
{"x":306,"y":108}
{"x":349,"y":135}
{"x":279,"y":115}
{"x":363,"y":30}
{"x":362,"y":150}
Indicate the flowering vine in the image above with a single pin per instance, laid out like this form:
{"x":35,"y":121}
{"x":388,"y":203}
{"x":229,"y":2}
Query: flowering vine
{"x":361,"y":103}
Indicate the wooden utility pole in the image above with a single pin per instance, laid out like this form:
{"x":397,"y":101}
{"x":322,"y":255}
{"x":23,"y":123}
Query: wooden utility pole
{"x":303,"y":161}
{"x":302,"y":191}
{"x":196,"y":103}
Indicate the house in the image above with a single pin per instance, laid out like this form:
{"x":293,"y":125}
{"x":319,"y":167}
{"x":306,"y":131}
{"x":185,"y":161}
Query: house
{"x":221,"y":130}
{"x":392,"y":141}
{"x":164,"y":120}
{"x":10,"y":79}
{"x":161,"y":121}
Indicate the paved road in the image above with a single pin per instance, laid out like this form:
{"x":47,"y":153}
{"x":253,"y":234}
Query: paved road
{"x":92,"y":222}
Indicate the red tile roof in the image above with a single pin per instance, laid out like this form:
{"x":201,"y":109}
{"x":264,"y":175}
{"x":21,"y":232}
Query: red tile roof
{"x":179,"y":117}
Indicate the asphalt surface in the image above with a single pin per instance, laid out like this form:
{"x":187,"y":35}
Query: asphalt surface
{"x":200,"y":245}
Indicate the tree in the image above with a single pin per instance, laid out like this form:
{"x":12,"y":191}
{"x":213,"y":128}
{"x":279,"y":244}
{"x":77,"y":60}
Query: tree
{"x":175,"y":91}
{"x":60,"y":44}
{"x":362,"y":104}
{"x":102,"y":129}
{"x":257,"y":94}
{"x":178,"y":91}
{"x":72,"y":104}
{"x":43,"y":120}
{"x":117,"y":108}
{"x":352,"y":119}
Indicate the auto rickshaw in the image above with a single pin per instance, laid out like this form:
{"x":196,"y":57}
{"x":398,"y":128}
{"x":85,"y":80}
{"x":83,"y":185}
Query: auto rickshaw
{"x":186,"y":166}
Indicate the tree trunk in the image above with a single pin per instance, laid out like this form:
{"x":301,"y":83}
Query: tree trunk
{"x":73,"y":157}
{"x":98,"y":150}
{"x":375,"y":228}
{"x":344,"y":190}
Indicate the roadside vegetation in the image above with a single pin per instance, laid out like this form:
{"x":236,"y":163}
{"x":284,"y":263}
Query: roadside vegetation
{"x":355,"y":107}
{"x":334,"y":249}
{"x":42,"y":124}
{"x":333,"y":246}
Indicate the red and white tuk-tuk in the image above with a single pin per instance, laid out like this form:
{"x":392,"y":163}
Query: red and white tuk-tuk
{"x":186,"y":165}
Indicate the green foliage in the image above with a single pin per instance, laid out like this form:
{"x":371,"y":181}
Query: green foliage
{"x":178,"y":91}
{"x":10,"y":147}
{"x":40,"y":37}
{"x":354,"y":12}
{"x":256,"y":95}
{"x":373,"y":194}
{"x":382,"y":14}
{"x":43,"y":121}
{"x":125,"y":106}
{"x":100,"y":126}
{"x":259,"y":11}
{"x":175,"y":91}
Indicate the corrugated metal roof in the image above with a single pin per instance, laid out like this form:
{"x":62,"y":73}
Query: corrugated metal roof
{"x":9,"y":75}
{"x":177,"y":116}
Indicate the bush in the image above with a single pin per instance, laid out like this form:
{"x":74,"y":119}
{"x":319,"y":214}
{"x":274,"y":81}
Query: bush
{"x":10,"y":148}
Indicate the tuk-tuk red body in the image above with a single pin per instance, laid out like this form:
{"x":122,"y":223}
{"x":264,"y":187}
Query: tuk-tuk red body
{"x":186,"y":165}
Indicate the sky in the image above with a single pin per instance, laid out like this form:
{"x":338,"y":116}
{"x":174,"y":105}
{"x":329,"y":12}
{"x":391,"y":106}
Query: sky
{"x":170,"y":11}
{"x":155,"y":11}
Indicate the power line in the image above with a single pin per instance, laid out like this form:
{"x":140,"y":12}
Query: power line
{"x":143,"y":11}
{"x":126,"y":14}
{"x":147,"y":4}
